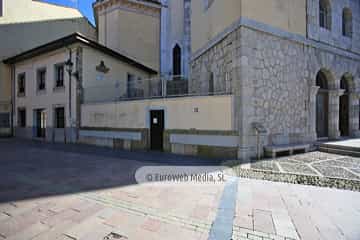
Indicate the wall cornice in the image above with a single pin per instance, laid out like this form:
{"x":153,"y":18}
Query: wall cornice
{"x":140,"y":7}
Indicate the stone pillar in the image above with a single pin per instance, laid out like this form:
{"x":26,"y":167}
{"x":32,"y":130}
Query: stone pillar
{"x":354,"y":114}
{"x":334,"y":104}
{"x":243,"y":94}
{"x":312,"y":116}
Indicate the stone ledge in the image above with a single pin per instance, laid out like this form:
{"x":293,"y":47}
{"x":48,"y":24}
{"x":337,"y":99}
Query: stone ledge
{"x":345,"y":184}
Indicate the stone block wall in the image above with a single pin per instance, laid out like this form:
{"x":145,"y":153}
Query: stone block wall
{"x":217,"y":61}
{"x":334,"y":36}
{"x":277,"y":83}
{"x":273,"y":80}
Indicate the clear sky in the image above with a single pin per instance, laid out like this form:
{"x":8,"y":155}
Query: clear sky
{"x":85,"y":6}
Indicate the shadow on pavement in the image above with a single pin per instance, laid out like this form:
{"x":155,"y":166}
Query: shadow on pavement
{"x":31,"y":169}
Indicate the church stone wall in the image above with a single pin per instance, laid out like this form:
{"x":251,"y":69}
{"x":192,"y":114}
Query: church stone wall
{"x":334,"y":36}
{"x":273,"y":81}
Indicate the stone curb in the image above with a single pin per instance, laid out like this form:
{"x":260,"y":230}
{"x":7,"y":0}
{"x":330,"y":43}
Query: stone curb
{"x":344,"y":184}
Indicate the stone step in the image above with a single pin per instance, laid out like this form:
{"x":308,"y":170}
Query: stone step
{"x":341,"y":150}
{"x":340,"y":146}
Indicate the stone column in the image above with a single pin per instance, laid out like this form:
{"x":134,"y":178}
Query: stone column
{"x":312,"y":116}
{"x":354,"y":114}
{"x":334,"y":102}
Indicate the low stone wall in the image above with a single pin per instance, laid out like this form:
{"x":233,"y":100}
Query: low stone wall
{"x":346,"y":184}
{"x":5,"y":132}
{"x":126,"y":125}
{"x":127,"y":139}
{"x":217,"y":144}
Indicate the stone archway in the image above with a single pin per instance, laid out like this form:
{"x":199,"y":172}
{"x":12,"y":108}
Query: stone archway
{"x":322,"y":105}
{"x":344,"y":108}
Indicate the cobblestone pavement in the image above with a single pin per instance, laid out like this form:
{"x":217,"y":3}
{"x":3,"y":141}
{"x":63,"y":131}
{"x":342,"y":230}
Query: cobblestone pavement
{"x":314,"y":163}
{"x":79,"y":192}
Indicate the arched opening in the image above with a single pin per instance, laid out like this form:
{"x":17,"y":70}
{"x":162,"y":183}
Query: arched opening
{"x":322,"y":105}
{"x":347,"y":23}
{"x":344,"y":108}
{"x":177,"y":60}
{"x":325,"y":14}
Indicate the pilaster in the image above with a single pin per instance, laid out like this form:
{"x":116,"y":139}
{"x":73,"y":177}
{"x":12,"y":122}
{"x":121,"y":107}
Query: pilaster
{"x":334,"y":104}
{"x":312,"y":108}
{"x":354,"y":98}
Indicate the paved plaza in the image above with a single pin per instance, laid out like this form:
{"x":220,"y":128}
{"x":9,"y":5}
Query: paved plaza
{"x":81,"y":192}
{"x":314,"y":163}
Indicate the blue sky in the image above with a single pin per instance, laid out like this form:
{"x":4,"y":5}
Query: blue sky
{"x":85,"y":6}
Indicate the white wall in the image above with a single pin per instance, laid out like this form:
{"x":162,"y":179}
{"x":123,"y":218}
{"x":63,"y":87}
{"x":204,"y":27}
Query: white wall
{"x":201,"y":113}
{"x":51,"y":97}
{"x":26,"y":24}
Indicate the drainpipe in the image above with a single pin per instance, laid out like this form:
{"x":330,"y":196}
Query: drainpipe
{"x":69,"y":66}
{"x":12,"y":101}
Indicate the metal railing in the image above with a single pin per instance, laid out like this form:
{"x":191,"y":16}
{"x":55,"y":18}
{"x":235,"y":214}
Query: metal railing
{"x":160,"y":87}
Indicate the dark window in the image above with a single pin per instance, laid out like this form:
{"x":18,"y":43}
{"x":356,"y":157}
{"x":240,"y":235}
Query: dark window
{"x":59,"y":117}
{"x":21,"y":83}
{"x":347,"y":23}
{"x":177,"y":60}
{"x":1,"y":8}
{"x":131,"y":88}
{"x":344,"y":84}
{"x":135,"y":87}
{"x":41,"y":79}
{"x":211,"y":83}
{"x":321,"y":80}
{"x":59,"y":75}
{"x":325,"y":14}
{"x":4,"y":120}
{"x":22,"y":117}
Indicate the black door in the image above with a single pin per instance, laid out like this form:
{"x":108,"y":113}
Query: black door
{"x":344,"y":115}
{"x":322,"y":114}
{"x":156,"y":129}
{"x":40,"y":123}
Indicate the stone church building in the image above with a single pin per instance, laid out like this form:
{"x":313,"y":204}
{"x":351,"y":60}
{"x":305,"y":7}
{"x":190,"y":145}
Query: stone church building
{"x":293,"y":67}
{"x":234,"y":78}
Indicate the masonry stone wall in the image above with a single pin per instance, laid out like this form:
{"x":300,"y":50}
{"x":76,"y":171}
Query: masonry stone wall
{"x":274,"y":83}
{"x":277,"y":78}
{"x":334,"y":36}
{"x":218,"y":61}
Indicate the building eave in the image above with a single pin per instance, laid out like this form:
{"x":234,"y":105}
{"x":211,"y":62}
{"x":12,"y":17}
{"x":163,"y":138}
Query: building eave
{"x":71,"y":39}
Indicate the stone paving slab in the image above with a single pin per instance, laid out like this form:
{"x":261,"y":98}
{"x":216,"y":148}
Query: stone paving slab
{"x":263,"y":221}
{"x":298,"y":212}
{"x":89,"y":208}
{"x":313,"y":168}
